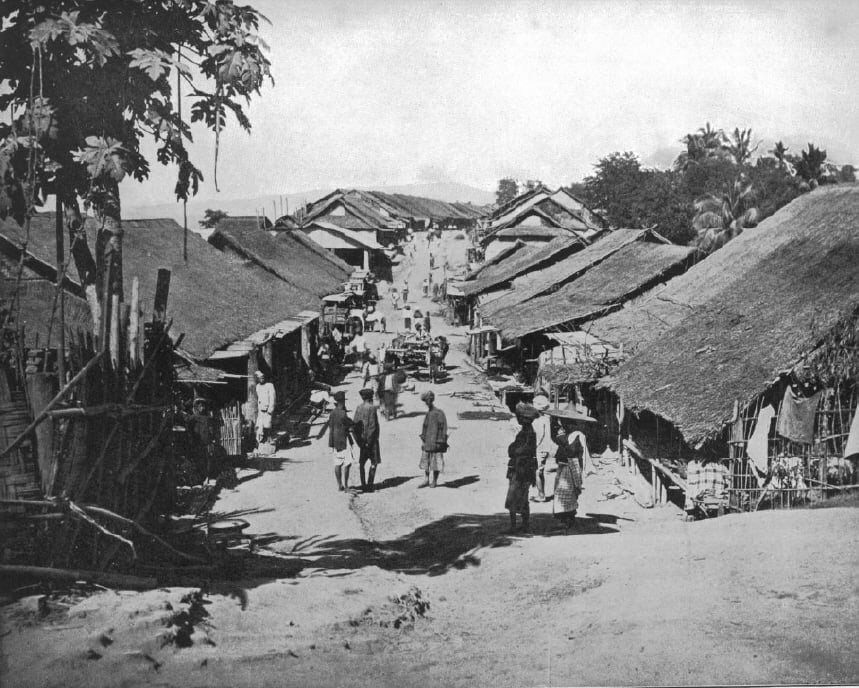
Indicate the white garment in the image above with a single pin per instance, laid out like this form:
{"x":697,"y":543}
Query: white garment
{"x":359,"y":344}
{"x":852,"y":444}
{"x":542,"y":429}
{"x":265,"y":397}
{"x":757,"y":448}
{"x":587,"y":461}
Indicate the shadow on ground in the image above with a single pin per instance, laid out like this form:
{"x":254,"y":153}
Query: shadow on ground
{"x":450,"y":543}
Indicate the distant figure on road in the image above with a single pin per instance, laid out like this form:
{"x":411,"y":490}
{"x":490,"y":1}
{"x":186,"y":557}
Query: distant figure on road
{"x":522,"y":467}
{"x":407,"y":318}
{"x":427,"y":322}
{"x":395,"y":298}
{"x":405,"y":293}
{"x":389,"y":392}
{"x":339,"y":440}
{"x":433,"y":440}
{"x":366,"y":426}
{"x":425,"y":283}
{"x":265,"y":407}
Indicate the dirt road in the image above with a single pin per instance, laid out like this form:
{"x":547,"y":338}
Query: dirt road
{"x":632,"y":596}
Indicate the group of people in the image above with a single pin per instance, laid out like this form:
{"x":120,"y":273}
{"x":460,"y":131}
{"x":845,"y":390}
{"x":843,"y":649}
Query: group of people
{"x":361,"y":432}
{"x":529,"y":453}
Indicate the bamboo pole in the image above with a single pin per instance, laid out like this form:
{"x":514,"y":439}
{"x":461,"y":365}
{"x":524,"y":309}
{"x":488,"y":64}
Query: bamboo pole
{"x":113,"y":343}
{"x":134,"y":324}
{"x":118,"y":580}
{"x":53,"y":402}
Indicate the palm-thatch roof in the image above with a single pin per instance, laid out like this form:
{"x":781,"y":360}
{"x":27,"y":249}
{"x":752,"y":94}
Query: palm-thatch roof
{"x":213,"y":300}
{"x":625,"y":273}
{"x":38,"y":314}
{"x":288,"y":258}
{"x":532,"y":283}
{"x":406,"y":206}
{"x":724,"y":331}
{"x":521,"y":261}
{"x":565,"y":209}
{"x":244,"y":223}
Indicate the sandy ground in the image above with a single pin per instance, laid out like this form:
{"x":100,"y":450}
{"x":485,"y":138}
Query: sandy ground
{"x":632,"y":596}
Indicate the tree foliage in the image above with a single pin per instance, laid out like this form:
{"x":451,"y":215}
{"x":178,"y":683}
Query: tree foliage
{"x":86,"y":81}
{"x":212,"y":218}
{"x":507,"y":190}
{"x":629,"y":196}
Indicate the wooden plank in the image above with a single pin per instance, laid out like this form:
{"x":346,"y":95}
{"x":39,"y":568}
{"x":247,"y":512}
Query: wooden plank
{"x":162,"y":291}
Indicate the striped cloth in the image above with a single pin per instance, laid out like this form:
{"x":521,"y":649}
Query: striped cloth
{"x":710,"y":480}
{"x":568,"y":487}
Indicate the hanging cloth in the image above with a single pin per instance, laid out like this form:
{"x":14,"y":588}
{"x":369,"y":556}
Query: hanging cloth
{"x":796,"y":420}
{"x":851,"y":447}
{"x":757,"y":448}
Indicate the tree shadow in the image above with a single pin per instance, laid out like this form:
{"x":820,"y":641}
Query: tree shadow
{"x":461,"y":482}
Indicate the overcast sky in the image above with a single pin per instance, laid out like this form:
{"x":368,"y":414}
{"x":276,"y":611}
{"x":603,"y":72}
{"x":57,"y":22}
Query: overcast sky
{"x":373,"y":93}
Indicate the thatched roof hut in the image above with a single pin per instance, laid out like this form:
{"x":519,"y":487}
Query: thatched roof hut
{"x":621,"y":275}
{"x":518,"y":261}
{"x":290,"y":257}
{"x":213,"y":300}
{"x":542,"y":279}
{"x":722,"y":332}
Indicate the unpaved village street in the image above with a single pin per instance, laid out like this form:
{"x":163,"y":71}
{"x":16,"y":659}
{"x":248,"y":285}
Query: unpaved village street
{"x":630,"y":596}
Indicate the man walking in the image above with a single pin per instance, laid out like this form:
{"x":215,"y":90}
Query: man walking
{"x":338,"y":440}
{"x":433,"y":440}
{"x":366,"y":427}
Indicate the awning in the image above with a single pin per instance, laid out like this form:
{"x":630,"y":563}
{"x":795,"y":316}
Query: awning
{"x":243,"y":347}
{"x":453,"y":289}
{"x":482,"y":329}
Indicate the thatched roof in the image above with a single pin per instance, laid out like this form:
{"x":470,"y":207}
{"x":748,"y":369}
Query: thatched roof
{"x":337,"y":264}
{"x":749,"y":311}
{"x":407,"y":206}
{"x":623,"y":274}
{"x":521,"y":261}
{"x":532,"y":283}
{"x":244,"y":223}
{"x":358,"y":214}
{"x":38,"y":313}
{"x":567,"y":211}
{"x":290,"y":259}
{"x":213,"y":300}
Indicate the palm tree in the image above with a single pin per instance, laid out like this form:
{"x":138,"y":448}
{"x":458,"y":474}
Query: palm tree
{"x":704,"y":143}
{"x":721,"y":217}
{"x":739,"y":145}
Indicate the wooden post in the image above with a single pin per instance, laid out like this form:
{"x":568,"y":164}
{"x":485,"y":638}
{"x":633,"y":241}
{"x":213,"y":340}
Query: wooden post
{"x":61,"y":349}
{"x":113,"y":340}
{"x":134,"y":324}
{"x":250,"y":411}
{"x":162,"y":291}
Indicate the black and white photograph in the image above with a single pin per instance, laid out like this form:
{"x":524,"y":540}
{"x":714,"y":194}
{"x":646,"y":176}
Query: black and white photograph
{"x":429,"y":343}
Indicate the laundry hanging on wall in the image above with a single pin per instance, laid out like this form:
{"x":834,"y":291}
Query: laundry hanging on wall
{"x":757,"y":448}
{"x":796,"y":419}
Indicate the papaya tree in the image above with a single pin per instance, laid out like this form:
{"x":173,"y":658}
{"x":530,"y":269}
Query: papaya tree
{"x":85,"y":82}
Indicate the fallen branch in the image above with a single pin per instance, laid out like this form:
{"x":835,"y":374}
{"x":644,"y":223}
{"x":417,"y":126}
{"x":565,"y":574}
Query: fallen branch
{"x":117,"y":580}
{"x":75,"y":510}
{"x":134,"y":524}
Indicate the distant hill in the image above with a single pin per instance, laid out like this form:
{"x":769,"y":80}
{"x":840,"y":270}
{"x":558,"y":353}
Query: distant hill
{"x":270,"y":204}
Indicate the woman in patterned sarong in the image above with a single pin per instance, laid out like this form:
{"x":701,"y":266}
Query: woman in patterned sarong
{"x":571,"y":455}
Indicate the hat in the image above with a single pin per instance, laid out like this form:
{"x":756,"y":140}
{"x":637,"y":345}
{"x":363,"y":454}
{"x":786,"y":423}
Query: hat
{"x":340,"y":396}
{"x":569,"y":414}
{"x":541,"y":402}
{"x":366,"y":393}
{"x":259,"y":373}
{"x":429,"y":395}
{"x":526,"y":411}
